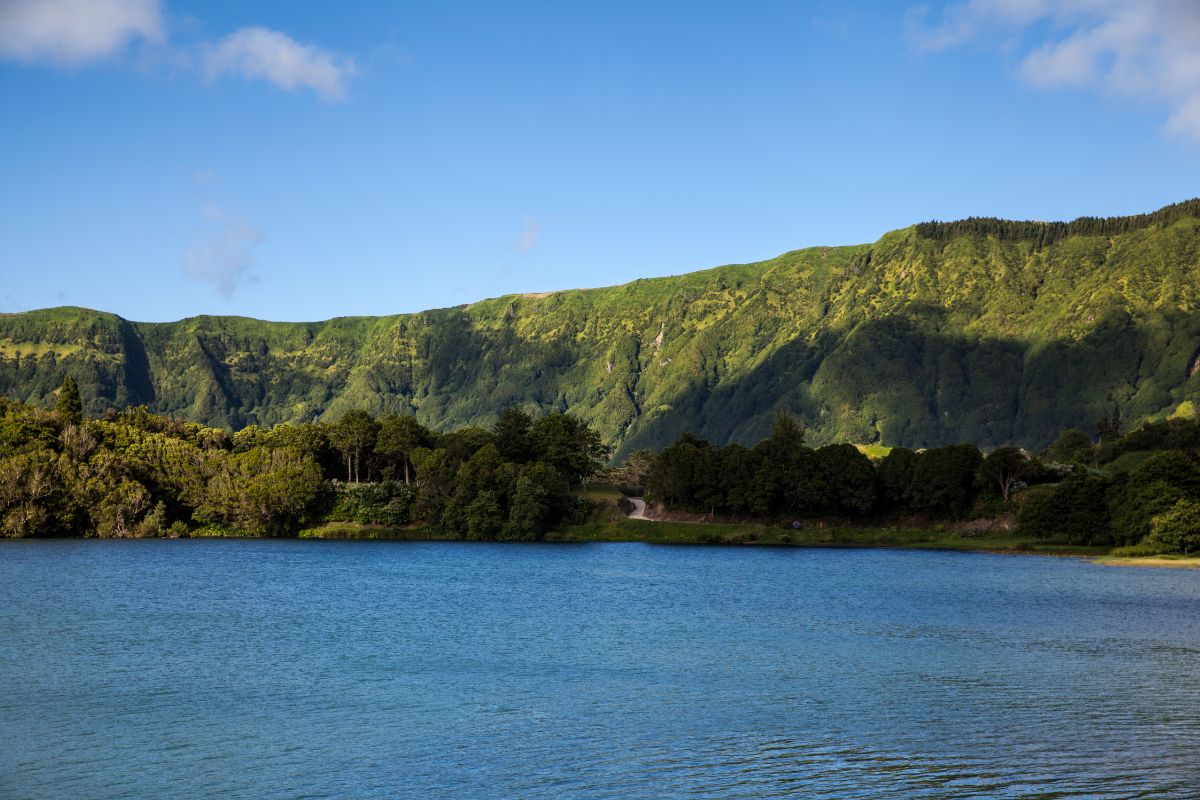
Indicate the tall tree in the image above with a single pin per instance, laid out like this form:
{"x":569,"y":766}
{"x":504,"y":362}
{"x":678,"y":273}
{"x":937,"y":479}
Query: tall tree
{"x":398,"y":437}
{"x":1003,"y":468}
{"x":1071,"y":446}
{"x":850,"y":477}
{"x":896,"y":477}
{"x":1109,"y":427}
{"x":354,"y":437}
{"x":944,"y":477}
{"x":70,"y":406}
{"x":794,"y":470}
{"x":569,"y":445}
{"x":512,"y":435}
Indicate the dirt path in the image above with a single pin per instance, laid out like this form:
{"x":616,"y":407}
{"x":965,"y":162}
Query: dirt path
{"x":639,"y":509}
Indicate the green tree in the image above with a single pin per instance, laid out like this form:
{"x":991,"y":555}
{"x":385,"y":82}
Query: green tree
{"x":1071,"y":446}
{"x":634,"y":470}
{"x":249,"y":438}
{"x":531,"y":509}
{"x":569,"y":445}
{"x":850,"y":477}
{"x":1109,"y":427}
{"x":944,"y":479}
{"x":398,"y":437}
{"x":484,"y":518}
{"x":354,"y":437}
{"x":69,"y":405}
{"x":27,"y":488}
{"x":787,"y":434}
{"x":483,"y":472}
{"x":896,"y":478}
{"x":262,"y":491}
{"x":1172,"y":468}
{"x":435,"y":482}
{"x":746,"y":489}
{"x":1004,"y":468}
{"x":793,"y":470}
{"x":1177,"y":530}
{"x":121,"y":510}
{"x":1152,"y":488}
{"x":1074,"y":510}
{"x":512,"y":435}
{"x":463,"y":443}
{"x":680,"y":473}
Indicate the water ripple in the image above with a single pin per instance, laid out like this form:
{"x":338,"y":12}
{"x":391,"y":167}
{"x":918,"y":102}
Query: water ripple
{"x":350,"y":670}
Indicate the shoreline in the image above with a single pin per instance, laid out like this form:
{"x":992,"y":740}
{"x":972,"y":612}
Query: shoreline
{"x":675,"y":533}
{"x":1168,"y":561}
{"x":716,"y":534}
{"x":1010,"y":546}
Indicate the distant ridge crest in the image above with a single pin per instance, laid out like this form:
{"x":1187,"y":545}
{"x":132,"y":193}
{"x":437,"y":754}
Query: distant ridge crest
{"x":1045,"y":233}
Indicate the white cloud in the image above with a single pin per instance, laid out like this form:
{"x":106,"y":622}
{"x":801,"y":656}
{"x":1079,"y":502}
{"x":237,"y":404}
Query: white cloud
{"x":75,"y":32}
{"x":278,"y":58}
{"x":529,"y":235}
{"x":226,"y":258}
{"x":1148,"y":49}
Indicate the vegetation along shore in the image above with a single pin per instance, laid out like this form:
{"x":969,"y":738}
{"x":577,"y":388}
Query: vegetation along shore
{"x":1131,"y":495}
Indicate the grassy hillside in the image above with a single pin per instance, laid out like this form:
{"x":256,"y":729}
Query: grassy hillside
{"x":982,"y":330}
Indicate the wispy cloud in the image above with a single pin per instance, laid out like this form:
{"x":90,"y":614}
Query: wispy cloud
{"x":1145,"y":49}
{"x":75,"y":32}
{"x":529,"y":235}
{"x":279,"y":59}
{"x":226,"y":258}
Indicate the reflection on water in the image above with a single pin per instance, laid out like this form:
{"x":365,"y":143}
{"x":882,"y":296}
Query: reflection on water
{"x":367,"y":669}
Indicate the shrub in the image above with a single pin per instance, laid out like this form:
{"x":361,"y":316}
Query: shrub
{"x":1177,"y":530}
{"x":1074,"y":509}
{"x":385,"y":503}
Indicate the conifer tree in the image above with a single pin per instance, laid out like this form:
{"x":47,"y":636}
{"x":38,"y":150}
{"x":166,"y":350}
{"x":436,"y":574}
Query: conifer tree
{"x":70,"y":406}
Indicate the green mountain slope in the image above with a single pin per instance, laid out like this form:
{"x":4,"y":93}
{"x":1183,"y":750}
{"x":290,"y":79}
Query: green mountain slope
{"x":981,"y":330}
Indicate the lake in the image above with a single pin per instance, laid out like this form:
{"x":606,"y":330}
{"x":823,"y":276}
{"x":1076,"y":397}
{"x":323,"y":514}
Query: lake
{"x":290,"y":669}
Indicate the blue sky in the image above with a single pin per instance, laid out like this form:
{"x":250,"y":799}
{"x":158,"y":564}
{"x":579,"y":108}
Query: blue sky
{"x":299,"y":161}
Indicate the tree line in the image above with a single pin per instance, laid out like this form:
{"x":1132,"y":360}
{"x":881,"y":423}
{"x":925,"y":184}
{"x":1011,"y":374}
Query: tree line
{"x":781,"y":478}
{"x":1046,"y":233}
{"x":133,"y":473}
{"x":1076,"y":491}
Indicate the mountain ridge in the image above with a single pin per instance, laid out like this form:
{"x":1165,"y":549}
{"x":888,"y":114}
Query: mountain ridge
{"x":979,"y":330}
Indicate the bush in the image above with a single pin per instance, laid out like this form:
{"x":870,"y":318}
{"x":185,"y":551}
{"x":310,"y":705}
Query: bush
{"x":1071,"y":447}
{"x":1177,"y":530}
{"x":1074,"y":510}
{"x":385,"y":503}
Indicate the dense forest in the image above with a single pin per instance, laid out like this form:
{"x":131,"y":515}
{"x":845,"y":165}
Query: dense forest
{"x":136,"y":474}
{"x":133,"y":473}
{"x":1140,"y":491}
{"x":984,"y":331}
{"x":1047,"y":233}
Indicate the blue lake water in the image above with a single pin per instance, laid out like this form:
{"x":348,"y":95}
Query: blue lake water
{"x":289,"y":669}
